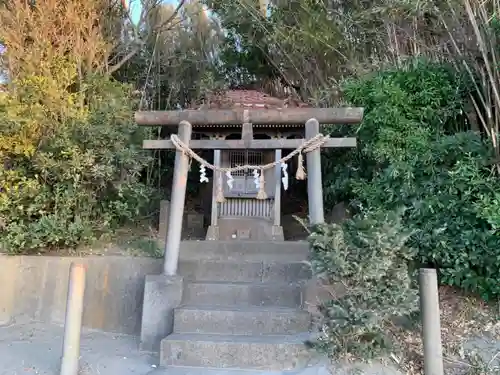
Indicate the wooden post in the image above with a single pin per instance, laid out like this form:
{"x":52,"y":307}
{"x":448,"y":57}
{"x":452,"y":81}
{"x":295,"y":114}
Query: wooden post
{"x":216,"y":177}
{"x":431,"y":325}
{"x":314,"y":183}
{"x":246,"y":130}
{"x":177,"y":199}
{"x":277,"y":192}
{"x":213,"y":229}
{"x":73,"y":322}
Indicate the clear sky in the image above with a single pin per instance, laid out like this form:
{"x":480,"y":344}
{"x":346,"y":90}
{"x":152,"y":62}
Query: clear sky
{"x":135,"y":8}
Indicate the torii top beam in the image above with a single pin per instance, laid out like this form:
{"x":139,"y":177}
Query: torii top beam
{"x":284,"y":116}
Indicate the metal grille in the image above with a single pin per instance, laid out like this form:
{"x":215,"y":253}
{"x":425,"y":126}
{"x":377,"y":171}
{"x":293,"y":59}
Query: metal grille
{"x":245,"y":157}
{"x":255,"y":158}
{"x":237,"y":158}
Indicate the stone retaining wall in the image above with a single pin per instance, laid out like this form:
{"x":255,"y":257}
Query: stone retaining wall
{"x":35,"y":288}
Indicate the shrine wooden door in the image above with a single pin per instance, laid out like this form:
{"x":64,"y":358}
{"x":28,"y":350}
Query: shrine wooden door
{"x":243,"y":181}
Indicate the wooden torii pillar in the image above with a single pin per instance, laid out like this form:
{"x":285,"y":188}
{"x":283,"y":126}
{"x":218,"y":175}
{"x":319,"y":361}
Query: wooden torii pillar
{"x":311,"y":117}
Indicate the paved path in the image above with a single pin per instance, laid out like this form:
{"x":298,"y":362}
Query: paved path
{"x":35,"y":349}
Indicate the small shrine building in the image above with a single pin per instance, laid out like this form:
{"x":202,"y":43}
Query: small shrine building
{"x":240,"y":215}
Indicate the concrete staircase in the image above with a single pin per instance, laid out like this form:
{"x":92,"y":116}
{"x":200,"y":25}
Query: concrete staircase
{"x":241,"y":307}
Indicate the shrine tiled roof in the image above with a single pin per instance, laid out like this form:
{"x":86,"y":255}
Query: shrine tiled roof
{"x":248,"y":99}
{"x":254,"y":99}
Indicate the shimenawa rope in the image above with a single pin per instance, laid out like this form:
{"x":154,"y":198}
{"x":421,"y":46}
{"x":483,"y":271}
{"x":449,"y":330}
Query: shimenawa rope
{"x":308,"y":146}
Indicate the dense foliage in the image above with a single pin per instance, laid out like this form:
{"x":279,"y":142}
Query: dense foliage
{"x":70,"y":170}
{"x":367,"y":258}
{"x":417,"y":154}
{"x":70,"y":153}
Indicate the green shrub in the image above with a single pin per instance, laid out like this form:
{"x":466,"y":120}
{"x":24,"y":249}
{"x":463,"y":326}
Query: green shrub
{"x":415,"y":153}
{"x":368,"y":256}
{"x":451,"y":204}
{"x":71,"y":161}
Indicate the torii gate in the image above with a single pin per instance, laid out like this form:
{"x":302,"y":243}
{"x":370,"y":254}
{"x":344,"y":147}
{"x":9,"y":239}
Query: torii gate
{"x":311,"y":117}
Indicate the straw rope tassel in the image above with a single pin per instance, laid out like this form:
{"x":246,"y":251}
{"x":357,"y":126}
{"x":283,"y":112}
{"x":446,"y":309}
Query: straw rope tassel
{"x":220,"y":193}
{"x":301,"y":173}
{"x":262,"y":187}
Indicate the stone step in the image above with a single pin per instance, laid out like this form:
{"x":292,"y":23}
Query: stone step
{"x":186,"y":370}
{"x":278,"y":352}
{"x":242,"y":294}
{"x":317,"y":366}
{"x":291,"y":251}
{"x":244,"y":271}
{"x":240,"y":321}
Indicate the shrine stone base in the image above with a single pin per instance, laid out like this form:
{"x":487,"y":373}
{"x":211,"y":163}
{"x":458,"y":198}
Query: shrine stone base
{"x":212,"y":233}
{"x":277,"y":233}
{"x":244,"y":229}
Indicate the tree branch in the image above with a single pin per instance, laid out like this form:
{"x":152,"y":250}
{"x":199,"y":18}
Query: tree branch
{"x":171,"y":18}
{"x":125,"y":58}
{"x":156,"y":29}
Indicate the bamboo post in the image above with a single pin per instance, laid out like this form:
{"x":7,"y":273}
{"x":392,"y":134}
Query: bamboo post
{"x":431,"y":325}
{"x":73,"y":321}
